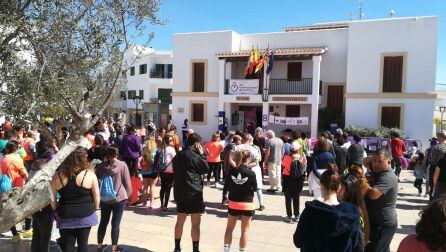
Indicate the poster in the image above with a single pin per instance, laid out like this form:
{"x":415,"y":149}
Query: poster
{"x":276,"y":120}
{"x":364,"y":142}
{"x":298,"y":121}
{"x":294,"y":121}
{"x":289,"y":121}
{"x":239,"y":87}
{"x":271,"y":119}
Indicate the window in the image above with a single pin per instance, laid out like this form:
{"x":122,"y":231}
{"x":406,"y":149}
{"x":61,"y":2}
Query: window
{"x":292,"y":111}
{"x":165,"y":95}
{"x":198,"y":112}
{"x":393,"y":74}
{"x":123,"y":95}
{"x":141,"y":94}
{"x":143,"y":69}
{"x":131,"y":94}
{"x":391,"y":116}
{"x":132,"y":71}
{"x":198,"y":76}
{"x":294,"y":71}
{"x":169,"y":70}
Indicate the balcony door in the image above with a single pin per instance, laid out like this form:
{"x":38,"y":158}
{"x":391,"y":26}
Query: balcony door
{"x":335,"y":98}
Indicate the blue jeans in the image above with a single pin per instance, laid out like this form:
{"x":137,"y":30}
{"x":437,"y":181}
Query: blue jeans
{"x":106,"y":210}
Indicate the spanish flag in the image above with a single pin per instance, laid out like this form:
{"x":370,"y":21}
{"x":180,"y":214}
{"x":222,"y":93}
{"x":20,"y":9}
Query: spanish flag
{"x":255,"y":61}
{"x":262,"y":61}
{"x":250,"y":60}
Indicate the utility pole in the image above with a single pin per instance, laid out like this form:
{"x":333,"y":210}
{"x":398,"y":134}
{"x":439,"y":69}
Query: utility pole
{"x":361,"y":14}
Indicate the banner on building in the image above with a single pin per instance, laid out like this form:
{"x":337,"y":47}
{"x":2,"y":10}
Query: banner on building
{"x":239,"y":87}
{"x":292,"y":121}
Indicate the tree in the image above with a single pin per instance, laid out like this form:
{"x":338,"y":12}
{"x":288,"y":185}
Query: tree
{"x":62,"y":59}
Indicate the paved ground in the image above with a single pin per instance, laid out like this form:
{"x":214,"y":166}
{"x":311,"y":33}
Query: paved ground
{"x":149,"y":230}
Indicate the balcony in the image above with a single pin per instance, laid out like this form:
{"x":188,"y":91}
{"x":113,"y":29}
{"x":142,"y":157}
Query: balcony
{"x":160,"y":74}
{"x":162,"y":100}
{"x":284,"y":86}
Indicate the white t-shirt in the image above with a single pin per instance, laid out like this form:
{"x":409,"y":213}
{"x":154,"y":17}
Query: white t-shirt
{"x":169,"y":154}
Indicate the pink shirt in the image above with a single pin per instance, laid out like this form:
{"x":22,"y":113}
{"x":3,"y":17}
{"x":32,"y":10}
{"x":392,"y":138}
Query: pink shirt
{"x":411,"y":244}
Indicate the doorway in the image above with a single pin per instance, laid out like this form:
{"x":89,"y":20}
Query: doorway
{"x":252,"y":117}
{"x":335,"y":98}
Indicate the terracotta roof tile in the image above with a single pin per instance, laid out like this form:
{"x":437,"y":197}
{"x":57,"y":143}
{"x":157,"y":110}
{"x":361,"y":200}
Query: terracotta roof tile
{"x":317,"y":27}
{"x":278,"y":52}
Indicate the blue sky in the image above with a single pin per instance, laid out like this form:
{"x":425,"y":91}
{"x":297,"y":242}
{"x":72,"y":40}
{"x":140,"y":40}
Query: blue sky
{"x":249,"y":16}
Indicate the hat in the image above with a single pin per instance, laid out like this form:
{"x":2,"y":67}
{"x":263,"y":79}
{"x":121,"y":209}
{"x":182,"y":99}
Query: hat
{"x":441,"y":134}
{"x":295,"y":146}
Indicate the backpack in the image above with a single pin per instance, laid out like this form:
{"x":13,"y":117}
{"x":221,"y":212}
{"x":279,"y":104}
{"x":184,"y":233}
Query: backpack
{"x":107,"y":190}
{"x":5,"y":183}
{"x":297,"y":170}
{"x":162,"y":165}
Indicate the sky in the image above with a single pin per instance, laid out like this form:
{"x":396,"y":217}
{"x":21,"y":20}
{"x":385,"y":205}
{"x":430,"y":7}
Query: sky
{"x":258,"y":16}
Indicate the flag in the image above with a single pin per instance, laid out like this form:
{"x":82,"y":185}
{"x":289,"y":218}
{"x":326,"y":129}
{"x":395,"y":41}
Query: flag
{"x":250,"y":60}
{"x":270,"y":62}
{"x":254,"y":62}
{"x":262,"y":61}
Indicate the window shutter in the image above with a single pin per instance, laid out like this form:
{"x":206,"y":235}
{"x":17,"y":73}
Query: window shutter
{"x":198,"y":112}
{"x":294,"y":71}
{"x":390,"y":117}
{"x":198,"y":77}
{"x":393,"y":74}
{"x":143,"y":69}
{"x":132,"y":71}
{"x":141,"y":94}
{"x":292,"y":111}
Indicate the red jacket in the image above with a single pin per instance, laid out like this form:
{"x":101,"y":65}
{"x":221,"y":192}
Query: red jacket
{"x":398,"y":147}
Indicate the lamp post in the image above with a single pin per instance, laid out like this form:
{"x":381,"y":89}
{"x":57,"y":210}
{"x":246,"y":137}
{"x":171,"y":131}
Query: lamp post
{"x":136,"y":100}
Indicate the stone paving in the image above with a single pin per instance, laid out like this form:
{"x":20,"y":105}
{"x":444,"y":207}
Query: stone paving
{"x":143,"y":229}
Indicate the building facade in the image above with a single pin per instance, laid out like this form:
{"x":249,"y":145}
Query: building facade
{"x":148,"y":86}
{"x":373,"y":72}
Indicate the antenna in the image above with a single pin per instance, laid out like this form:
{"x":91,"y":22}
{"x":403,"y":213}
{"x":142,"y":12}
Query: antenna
{"x":391,"y":13}
{"x":361,"y":14}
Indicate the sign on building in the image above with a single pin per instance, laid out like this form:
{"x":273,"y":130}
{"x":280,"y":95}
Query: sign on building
{"x":241,"y":87}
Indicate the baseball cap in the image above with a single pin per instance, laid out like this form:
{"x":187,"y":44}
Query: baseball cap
{"x":441,"y":134}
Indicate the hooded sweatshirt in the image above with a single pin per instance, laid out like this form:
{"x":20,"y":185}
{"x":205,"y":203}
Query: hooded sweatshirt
{"x":326,"y":228}
{"x":131,"y":146}
{"x":121,"y":177}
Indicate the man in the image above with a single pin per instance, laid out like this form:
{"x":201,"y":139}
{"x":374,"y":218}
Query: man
{"x":188,"y":133}
{"x":398,"y":147}
{"x":436,"y":153}
{"x":356,"y":152}
{"x":381,"y":201}
{"x":188,"y":168}
{"x":273,"y":158}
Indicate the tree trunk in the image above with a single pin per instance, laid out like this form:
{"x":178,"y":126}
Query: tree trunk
{"x":19,"y":203}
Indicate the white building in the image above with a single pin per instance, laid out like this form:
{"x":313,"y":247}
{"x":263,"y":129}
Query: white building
{"x":374,"y":72}
{"x":148,"y":86}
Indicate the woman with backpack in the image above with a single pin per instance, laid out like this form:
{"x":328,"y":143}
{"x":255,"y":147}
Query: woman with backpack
{"x":78,"y":188}
{"x":293,"y":175}
{"x":115,"y":190}
{"x":165,"y":158}
{"x":149,"y":171}
{"x":14,"y":174}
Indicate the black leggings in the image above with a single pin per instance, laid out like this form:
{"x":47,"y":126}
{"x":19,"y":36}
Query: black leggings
{"x":132,"y":164}
{"x":292,"y":198}
{"x":214,"y":168}
{"x":27,"y":227}
{"x":166,"y":186}
{"x":68,"y":238}
{"x":42,"y":226}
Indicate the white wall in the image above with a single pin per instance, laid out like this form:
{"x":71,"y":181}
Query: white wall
{"x":367,"y":40}
{"x":199,"y":46}
{"x":417,"y":116}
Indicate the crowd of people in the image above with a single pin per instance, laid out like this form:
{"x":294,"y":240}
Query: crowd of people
{"x":355,"y":193}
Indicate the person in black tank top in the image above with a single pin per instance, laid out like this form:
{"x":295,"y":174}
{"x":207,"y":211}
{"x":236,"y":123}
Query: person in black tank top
{"x":76,"y":209}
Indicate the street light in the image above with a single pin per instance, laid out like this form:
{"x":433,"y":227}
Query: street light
{"x":136,"y":100}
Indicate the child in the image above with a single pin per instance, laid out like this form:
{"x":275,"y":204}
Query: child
{"x":136,"y":187}
{"x":419,"y":175}
{"x":293,"y":175}
{"x":242,"y":185}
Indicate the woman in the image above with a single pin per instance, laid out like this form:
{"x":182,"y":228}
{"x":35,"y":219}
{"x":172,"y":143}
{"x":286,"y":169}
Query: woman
{"x":318,"y":165}
{"x":358,"y":172}
{"x":440,"y":179}
{"x":329,"y":225}
{"x":149,"y":171}
{"x":185,"y":128}
{"x":12,"y":166}
{"x":78,"y":188}
{"x":293,"y":175}
{"x":242,"y":185}
{"x":259,"y":141}
{"x":165,"y":163}
{"x":306,"y":145}
{"x":341,"y":154}
{"x":120,"y":175}
{"x":99,"y":150}
{"x":213,"y":150}
{"x":255,"y":159}
{"x":351,"y":192}
{"x":131,"y":148}
{"x":430,"y":231}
